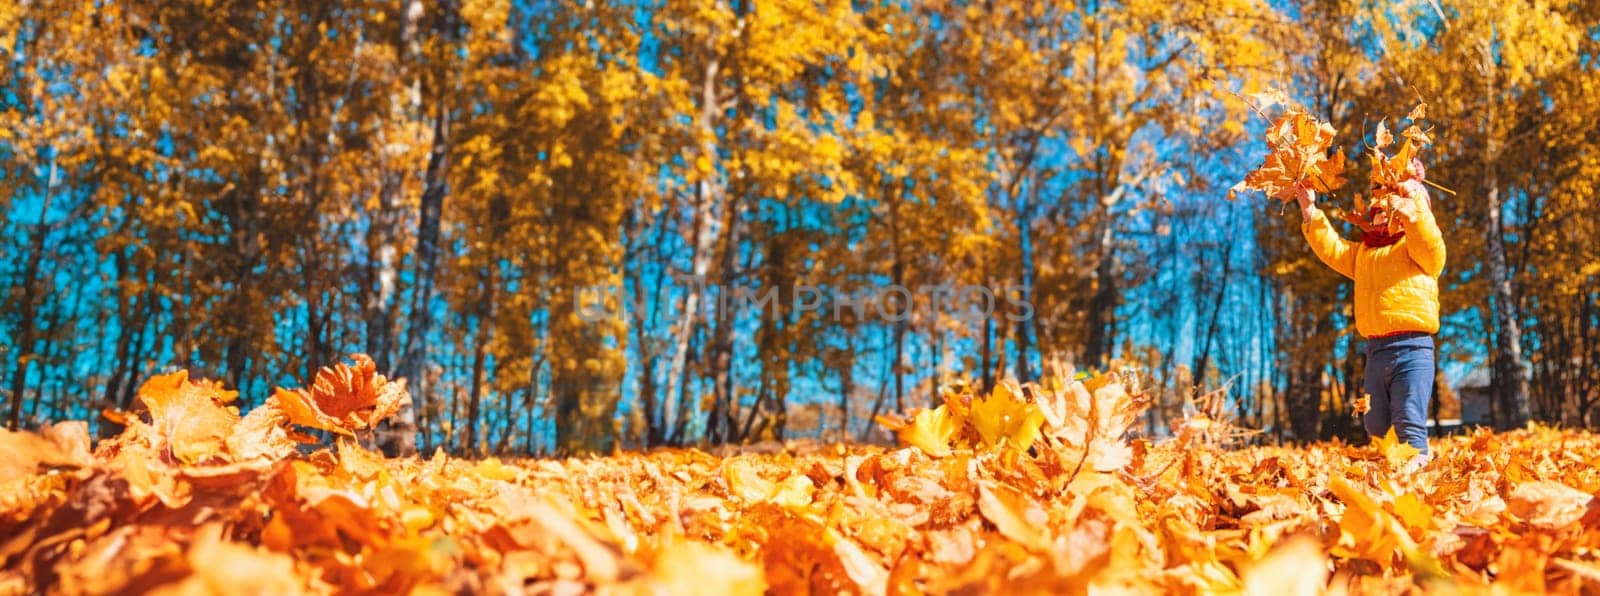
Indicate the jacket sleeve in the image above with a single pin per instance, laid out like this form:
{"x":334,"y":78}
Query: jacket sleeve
{"x":1336,"y":252}
{"x":1424,"y":243}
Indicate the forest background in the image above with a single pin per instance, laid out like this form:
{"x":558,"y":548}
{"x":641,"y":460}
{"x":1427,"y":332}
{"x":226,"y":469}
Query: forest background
{"x":251,"y":190}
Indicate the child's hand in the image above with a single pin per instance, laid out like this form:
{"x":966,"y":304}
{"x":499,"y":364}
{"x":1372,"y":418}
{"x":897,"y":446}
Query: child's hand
{"x":1408,"y":205}
{"x":1307,"y":199}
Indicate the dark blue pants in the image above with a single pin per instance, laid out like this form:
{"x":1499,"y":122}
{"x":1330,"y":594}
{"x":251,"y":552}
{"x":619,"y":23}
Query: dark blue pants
{"x":1400,"y":380}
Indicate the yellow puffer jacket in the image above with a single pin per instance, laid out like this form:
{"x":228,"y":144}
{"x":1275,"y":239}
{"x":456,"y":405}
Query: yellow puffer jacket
{"x":1397,"y":286}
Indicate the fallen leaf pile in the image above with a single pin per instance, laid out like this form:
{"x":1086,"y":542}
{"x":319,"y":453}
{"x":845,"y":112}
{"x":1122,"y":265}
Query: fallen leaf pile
{"x":1029,"y":489}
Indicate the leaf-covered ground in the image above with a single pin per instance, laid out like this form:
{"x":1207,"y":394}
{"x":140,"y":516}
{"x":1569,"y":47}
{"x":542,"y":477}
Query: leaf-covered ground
{"x":1030,"y":489}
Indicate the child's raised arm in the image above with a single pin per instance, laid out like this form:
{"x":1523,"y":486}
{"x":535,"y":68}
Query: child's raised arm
{"x":1426,"y":243}
{"x":1336,"y":252}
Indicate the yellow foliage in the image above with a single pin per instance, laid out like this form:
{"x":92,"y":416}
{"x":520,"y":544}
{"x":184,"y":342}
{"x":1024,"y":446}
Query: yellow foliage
{"x":1004,"y":418}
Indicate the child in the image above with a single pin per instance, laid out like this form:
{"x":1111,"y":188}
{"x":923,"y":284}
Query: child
{"x":1397,"y":302}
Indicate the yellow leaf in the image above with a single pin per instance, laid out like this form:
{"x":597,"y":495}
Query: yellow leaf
{"x":1363,"y":529}
{"x":1003,"y":416}
{"x":1413,"y":512}
{"x":1394,"y":451}
{"x":930,"y":431}
{"x":794,"y":492}
{"x":492,"y":469}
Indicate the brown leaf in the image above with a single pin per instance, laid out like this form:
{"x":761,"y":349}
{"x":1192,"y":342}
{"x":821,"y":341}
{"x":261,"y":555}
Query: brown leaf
{"x":1416,"y":135}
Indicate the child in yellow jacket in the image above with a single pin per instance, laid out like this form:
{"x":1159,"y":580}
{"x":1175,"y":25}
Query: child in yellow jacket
{"x":1396,"y":300}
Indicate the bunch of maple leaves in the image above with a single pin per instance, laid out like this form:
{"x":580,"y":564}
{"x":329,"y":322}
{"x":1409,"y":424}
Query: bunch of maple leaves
{"x":1031,"y":488}
{"x":1300,"y":152}
{"x":1299,"y":149}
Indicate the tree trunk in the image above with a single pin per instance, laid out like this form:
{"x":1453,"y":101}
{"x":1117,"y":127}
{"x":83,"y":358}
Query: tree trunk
{"x":1103,"y":304}
{"x":723,"y":410}
{"x":1510,"y":371}
{"x":897,"y":278}
{"x":1509,"y":379}
{"x":986,"y":372}
{"x":1025,"y":327}
{"x":647,"y":430}
{"x":413,"y":365}
{"x":30,"y":296}
{"x":1197,"y":376}
{"x":485,"y":333}
{"x":708,"y":199}
{"x":401,"y":436}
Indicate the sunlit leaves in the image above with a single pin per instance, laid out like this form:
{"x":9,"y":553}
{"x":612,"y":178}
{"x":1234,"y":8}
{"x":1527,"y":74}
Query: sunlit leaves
{"x":929,"y":430}
{"x":1394,"y":450}
{"x":1005,"y":418}
{"x":190,"y":420}
{"x":1086,"y":417}
{"x":1016,"y":515}
{"x":1184,"y":515}
{"x":344,"y":398}
{"x":1298,"y":147}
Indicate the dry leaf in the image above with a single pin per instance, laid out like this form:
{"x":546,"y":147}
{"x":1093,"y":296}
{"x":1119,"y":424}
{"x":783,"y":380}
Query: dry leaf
{"x":1014,"y":514}
{"x":1297,"y":567}
{"x":1383,"y":138}
{"x":1003,"y":417}
{"x":1363,"y":404}
{"x":344,"y":398}
{"x":247,"y":509}
{"x":1298,"y":148}
{"x":1549,"y":505}
{"x":189,"y":422}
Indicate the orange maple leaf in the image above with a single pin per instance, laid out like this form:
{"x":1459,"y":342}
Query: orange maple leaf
{"x":343,"y":398}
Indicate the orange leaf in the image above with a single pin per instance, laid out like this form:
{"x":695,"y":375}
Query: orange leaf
{"x":189,"y":421}
{"x":1397,"y":453}
{"x":1363,"y":404}
{"x":343,"y":398}
{"x":1016,"y":515}
{"x":1297,"y":149}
